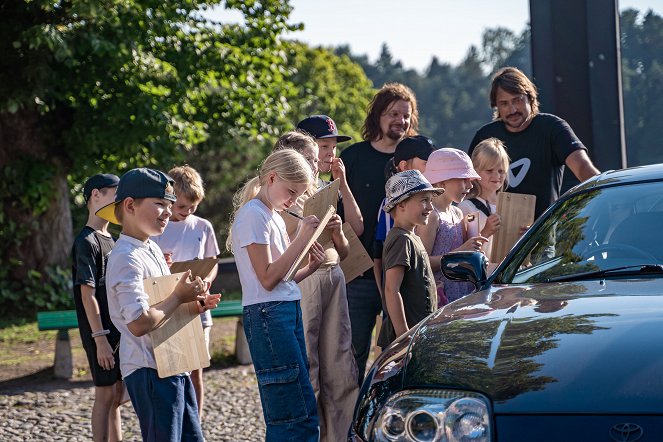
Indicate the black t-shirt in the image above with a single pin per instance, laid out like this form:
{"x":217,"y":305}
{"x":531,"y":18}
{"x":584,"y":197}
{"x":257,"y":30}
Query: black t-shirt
{"x":364,"y":168}
{"x":89,"y":258}
{"x":538,"y":155}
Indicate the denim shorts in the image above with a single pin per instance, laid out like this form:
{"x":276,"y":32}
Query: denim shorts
{"x":275,"y":335}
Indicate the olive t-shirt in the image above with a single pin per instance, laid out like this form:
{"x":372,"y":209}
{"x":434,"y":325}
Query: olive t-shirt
{"x":404,"y":248}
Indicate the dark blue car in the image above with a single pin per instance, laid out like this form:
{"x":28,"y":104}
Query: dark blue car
{"x":562,"y":342}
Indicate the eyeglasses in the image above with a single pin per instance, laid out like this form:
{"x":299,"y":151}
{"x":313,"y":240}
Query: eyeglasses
{"x":515,"y":101}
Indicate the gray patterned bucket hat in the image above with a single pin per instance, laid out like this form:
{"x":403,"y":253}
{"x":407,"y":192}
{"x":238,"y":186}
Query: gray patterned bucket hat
{"x":403,"y":185}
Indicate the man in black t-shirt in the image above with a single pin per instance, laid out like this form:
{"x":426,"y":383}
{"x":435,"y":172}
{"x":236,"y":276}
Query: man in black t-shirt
{"x":392,"y":116}
{"x":539,"y":145}
{"x":99,"y":336}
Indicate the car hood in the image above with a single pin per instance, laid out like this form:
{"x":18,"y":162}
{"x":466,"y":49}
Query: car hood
{"x":588,"y":347}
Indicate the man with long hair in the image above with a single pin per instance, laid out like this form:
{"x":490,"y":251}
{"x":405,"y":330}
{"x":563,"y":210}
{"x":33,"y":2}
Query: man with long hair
{"x":540,"y":145}
{"x":392,"y":116}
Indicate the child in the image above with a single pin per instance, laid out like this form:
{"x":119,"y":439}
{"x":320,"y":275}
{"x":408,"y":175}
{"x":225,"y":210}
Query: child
{"x":409,"y":284}
{"x":166,"y":407}
{"x":99,"y":336}
{"x":332,"y":367}
{"x":272,"y":311}
{"x":491,"y":162}
{"x":190,"y":237}
{"x":411,"y":154}
{"x":449,"y":169}
{"x":323,"y":129}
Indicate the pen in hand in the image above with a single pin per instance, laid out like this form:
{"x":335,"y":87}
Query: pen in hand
{"x":293,"y":214}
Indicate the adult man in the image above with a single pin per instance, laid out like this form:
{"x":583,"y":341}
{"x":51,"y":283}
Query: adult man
{"x":539,"y":144}
{"x":392,"y":115}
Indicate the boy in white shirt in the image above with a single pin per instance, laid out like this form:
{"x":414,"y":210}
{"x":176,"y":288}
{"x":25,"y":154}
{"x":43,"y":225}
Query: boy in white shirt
{"x":166,"y":407}
{"x":188,"y":237}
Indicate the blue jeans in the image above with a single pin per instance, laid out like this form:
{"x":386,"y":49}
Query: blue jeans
{"x":166,"y":408}
{"x":275,"y":335}
{"x":365,"y":305}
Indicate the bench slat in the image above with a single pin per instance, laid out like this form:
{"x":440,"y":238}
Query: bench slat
{"x":66,"y":319}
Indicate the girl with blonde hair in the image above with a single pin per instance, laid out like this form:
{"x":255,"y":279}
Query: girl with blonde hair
{"x":272,"y":310}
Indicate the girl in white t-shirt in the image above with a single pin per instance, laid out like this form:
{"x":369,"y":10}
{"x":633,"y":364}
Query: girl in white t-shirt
{"x":491,"y":162}
{"x":272,"y":311}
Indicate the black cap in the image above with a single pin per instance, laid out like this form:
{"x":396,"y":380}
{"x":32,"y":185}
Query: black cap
{"x":99,"y":181}
{"x":417,"y":146}
{"x":321,"y":126}
{"x":139,"y":183}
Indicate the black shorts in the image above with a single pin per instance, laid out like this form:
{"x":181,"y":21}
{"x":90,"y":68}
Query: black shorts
{"x":101,"y":377}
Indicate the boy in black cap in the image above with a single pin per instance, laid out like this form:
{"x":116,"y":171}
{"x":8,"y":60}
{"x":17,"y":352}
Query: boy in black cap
{"x":99,"y":336}
{"x":323,"y":129}
{"x":166,"y":407}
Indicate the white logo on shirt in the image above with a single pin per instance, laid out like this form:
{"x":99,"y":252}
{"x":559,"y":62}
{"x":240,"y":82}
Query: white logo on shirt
{"x":524,"y":164}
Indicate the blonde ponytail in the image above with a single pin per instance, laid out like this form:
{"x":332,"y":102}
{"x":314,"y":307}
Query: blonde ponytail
{"x":288,"y":164}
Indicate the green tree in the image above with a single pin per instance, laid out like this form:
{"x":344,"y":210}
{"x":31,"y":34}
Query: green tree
{"x":642,"y":79}
{"x":86,"y":87}
{"x":322,"y":83}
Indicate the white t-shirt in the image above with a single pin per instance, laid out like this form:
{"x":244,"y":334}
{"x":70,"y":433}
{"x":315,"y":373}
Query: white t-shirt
{"x":189,"y":239}
{"x":468,"y":207}
{"x":255,"y":223}
{"x":130,"y":262}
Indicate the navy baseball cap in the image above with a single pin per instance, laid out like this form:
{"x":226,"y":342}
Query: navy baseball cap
{"x":321,"y":126}
{"x":139,"y":183}
{"x":99,"y":181}
{"x":417,"y":146}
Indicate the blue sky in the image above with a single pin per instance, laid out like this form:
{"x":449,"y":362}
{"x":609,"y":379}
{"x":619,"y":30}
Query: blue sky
{"x":414,"y":30}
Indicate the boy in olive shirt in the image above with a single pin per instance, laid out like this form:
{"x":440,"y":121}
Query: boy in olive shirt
{"x":409,"y":285}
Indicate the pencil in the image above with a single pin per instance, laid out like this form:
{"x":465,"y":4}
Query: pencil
{"x":293,"y":214}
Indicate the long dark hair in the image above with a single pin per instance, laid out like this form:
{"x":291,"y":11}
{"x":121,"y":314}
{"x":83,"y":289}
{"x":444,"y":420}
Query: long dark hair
{"x":389,"y":93}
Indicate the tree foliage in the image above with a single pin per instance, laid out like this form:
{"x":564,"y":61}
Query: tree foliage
{"x":321,"y":83}
{"x":88,"y":87}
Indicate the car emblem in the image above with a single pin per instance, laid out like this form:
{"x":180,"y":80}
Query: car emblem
{"x":626,"y":432}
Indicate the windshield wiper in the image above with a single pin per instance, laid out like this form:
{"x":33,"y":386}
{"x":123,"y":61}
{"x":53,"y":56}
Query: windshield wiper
{"x":642,"y":269}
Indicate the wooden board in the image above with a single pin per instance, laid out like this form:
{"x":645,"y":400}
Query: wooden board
{"x":179,"y":344}
{"x":318,"y":203}
{"x":358,"y":259}
{"x":515,"y":210}
{"x":199,"y":267}
{"x":316,"y":234}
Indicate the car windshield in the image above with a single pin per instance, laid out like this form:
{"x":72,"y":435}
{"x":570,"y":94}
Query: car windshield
{"x":612,"y":231}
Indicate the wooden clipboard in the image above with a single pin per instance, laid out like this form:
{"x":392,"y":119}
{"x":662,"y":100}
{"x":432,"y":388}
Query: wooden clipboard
{"x":318,"y":203}
{"x":358,"y":259}
{"x":323,"y":223}
{"x":199,"y":267}
{"x":515,"y":210}
{"x":179,"y":343}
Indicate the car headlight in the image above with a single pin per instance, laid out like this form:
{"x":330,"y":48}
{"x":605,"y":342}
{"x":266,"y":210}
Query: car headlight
{"x":434,"y":415}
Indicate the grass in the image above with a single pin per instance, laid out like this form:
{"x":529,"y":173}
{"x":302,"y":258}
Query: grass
{"x":20,"y":331}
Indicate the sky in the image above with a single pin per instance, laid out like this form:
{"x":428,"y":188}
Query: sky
{"x":414,"y":30}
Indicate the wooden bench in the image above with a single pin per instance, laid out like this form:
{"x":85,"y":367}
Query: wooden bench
{"x":64,"y":320}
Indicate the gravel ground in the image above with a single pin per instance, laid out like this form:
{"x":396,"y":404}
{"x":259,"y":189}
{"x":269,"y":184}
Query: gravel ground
{"x":58,"y":410}
{"x":36,"y":406}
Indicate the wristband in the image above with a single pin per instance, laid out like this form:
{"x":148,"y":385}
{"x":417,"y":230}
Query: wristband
{"x":100,"y":333}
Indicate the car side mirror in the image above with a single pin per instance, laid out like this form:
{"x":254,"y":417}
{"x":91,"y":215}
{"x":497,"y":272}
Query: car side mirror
{"x":465,"y":266}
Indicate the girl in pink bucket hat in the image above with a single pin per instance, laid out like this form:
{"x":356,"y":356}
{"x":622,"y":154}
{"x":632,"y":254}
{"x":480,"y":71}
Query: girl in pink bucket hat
{"x":449,"y":169}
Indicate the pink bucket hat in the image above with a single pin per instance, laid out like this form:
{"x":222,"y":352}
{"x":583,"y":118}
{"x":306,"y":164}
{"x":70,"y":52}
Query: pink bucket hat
{"x":445,"y":164}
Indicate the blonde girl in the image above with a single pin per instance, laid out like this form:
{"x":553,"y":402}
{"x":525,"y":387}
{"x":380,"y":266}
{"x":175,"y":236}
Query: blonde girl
{"x":272,"y":311}
{"x":449,"y":169}
{"x":491,"y":162}
{"x":326,"y":320}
